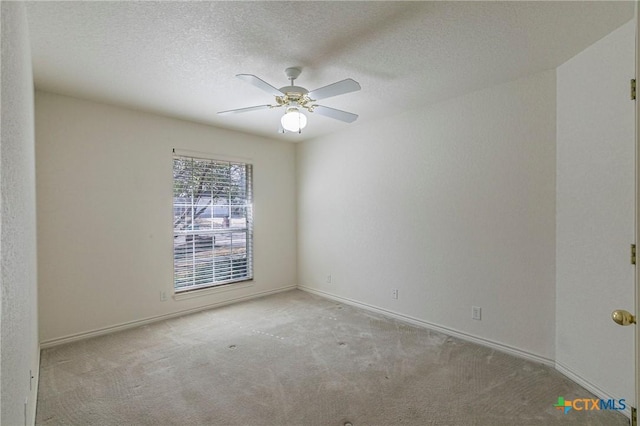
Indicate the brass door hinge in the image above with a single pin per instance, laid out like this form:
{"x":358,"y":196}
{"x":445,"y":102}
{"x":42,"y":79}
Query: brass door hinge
{"x":634,"y":416}
{"x":633,"y":89}
{"x":633,"y":254}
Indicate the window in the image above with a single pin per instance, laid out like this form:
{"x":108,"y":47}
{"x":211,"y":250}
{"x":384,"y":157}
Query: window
{"x":212,"y":222}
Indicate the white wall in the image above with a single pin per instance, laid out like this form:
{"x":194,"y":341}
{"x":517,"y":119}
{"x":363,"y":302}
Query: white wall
{"x":18,"y":273}
{"x":104,"y":181}
{"x":595,"y":213}
{"x":453,"y":205}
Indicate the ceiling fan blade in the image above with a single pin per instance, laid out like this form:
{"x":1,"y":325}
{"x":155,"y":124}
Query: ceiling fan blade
{"x":347,"y":117}
{"x":239,"y":110}
{"x":335,"y":89}
{"x":260,"y":84}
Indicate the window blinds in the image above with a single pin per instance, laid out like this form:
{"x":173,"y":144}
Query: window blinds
{"x":212,"y":222}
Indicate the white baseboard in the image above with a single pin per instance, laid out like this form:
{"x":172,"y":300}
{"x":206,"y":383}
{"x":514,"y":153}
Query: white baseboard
{"x":594,"y":389}
{"x":137,"y":323}
{"x":34,"y":392}
{"x":448,"y":331}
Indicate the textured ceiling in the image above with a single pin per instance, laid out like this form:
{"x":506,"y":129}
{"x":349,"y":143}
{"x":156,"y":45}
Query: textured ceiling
{"x":180,"y":58}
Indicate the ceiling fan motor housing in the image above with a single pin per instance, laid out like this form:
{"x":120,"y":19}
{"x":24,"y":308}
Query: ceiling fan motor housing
{"x":295,"y":95}
{"x":294,"y":90}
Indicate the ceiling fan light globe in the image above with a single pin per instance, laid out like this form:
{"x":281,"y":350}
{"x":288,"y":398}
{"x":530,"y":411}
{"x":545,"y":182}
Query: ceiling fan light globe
{"x":293,"y":121}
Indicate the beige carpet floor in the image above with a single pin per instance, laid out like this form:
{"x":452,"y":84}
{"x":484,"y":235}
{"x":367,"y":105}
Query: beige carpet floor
{"x":297,"y":359}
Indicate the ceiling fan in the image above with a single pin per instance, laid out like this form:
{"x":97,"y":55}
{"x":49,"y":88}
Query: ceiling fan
{"x":294,"y":99}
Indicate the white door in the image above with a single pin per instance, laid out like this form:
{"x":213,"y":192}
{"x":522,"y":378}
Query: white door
{"x":637,"y":277}
{"x":596,"y":216}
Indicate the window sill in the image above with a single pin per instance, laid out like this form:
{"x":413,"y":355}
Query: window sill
{"x":212,"y":290}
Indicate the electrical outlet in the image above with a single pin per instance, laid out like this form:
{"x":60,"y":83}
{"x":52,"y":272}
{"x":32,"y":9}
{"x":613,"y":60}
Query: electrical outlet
{"x":394,"y":293}
{"x":163,"y":296}
{"x":328,"y":279}
{"x":476,"y":313}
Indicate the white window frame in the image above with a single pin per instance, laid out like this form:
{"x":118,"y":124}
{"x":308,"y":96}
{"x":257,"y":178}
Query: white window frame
{"x":211,"y":251}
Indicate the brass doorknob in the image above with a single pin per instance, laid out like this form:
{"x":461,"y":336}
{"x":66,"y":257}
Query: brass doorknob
{"x":622,"y":317}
